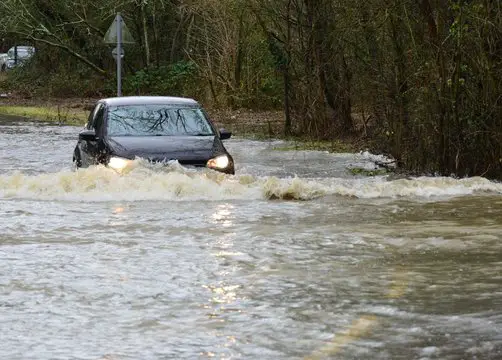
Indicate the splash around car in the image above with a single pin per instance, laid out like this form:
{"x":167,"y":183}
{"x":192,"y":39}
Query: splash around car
{"x":155,"y":128}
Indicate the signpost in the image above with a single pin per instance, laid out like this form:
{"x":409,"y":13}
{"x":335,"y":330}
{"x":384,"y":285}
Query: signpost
{"x":115,"y":52}
{"x":118,"y":34}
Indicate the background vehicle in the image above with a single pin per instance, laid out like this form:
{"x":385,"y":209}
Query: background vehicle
{"x":19,"y":55}
{"x":155,"y":128}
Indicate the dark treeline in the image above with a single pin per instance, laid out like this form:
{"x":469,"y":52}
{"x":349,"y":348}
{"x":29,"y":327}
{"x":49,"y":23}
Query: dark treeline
{"x":422,"y":78}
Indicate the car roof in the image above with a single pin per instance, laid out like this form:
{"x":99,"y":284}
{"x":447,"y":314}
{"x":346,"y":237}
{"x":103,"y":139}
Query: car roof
{"x":22,"y":47}
{"x":149,"y":100}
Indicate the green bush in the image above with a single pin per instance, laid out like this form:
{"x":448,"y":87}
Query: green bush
{"x":178,"y":79}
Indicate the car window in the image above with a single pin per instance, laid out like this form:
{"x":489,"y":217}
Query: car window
{"x":88,"y":126}
{"x":98,"y":119}
{"x":157,"y":120}
{"x":22,"y":52}
{"x":91,"y":123}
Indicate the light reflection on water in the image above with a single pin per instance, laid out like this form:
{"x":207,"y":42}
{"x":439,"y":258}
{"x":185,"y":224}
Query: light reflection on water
{"x":222,"y":272}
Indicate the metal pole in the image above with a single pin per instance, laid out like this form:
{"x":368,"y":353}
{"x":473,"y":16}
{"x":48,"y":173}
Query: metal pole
{"x":119,"y":55}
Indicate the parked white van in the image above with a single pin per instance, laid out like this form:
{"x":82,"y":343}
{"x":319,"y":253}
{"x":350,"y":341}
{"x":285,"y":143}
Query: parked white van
{"x":18,"y":55}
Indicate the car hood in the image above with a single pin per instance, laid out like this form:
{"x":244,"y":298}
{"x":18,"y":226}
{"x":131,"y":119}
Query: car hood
{"x":186,"y":149}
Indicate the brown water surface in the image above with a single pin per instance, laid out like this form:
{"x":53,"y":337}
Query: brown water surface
{"x":172,"y":263}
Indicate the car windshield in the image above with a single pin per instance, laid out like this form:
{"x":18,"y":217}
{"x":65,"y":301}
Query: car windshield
{"x":22,"y":53}
{"x":157,"y":120}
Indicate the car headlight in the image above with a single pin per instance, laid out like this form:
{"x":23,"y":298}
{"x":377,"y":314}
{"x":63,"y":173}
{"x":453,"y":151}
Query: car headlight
{"x":220,"y":162}
{"x":118,"y":163}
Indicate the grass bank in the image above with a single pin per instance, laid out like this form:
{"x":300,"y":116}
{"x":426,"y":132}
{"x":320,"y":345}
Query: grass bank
{"x":53,"y":114}
{"x":338,"y":146}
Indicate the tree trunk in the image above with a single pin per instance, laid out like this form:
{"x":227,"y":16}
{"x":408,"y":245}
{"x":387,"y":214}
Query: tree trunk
{"x":145,"y":33}
{"x":287,"y":80}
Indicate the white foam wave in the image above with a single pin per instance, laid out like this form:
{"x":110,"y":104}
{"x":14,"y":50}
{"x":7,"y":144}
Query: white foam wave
{"x":424,"y":187}
{"x":176,"y":183}
{"x":380,"y":159}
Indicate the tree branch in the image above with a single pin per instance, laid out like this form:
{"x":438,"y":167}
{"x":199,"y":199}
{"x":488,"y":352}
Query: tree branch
{"x":76,"y":55}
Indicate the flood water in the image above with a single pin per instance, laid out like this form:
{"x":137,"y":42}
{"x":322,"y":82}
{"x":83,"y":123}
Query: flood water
{"x":291,"y":258}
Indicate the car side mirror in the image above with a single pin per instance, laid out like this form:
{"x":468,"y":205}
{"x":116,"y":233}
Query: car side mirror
{"x":88,"y":135}
{"x":224,"y":134}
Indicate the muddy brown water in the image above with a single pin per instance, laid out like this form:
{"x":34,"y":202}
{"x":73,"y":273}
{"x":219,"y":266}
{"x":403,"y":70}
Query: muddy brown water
{"x":171,"y":263}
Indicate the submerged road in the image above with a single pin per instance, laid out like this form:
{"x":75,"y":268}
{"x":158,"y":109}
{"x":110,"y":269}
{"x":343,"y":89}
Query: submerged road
{"x":291,"y":258}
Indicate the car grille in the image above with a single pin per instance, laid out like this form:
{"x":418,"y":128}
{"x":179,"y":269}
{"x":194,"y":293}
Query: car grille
{"x":195,"y":163}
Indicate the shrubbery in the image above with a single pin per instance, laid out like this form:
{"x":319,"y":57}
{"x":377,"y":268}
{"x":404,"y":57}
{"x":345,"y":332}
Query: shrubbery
{"x":179,"y":79}
{"x":423,"y":78}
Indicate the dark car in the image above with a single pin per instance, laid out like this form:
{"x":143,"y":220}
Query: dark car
{"x":155,"y":128}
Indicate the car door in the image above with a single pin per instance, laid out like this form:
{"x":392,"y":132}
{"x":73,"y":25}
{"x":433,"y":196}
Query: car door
{"x":91,"y":150}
